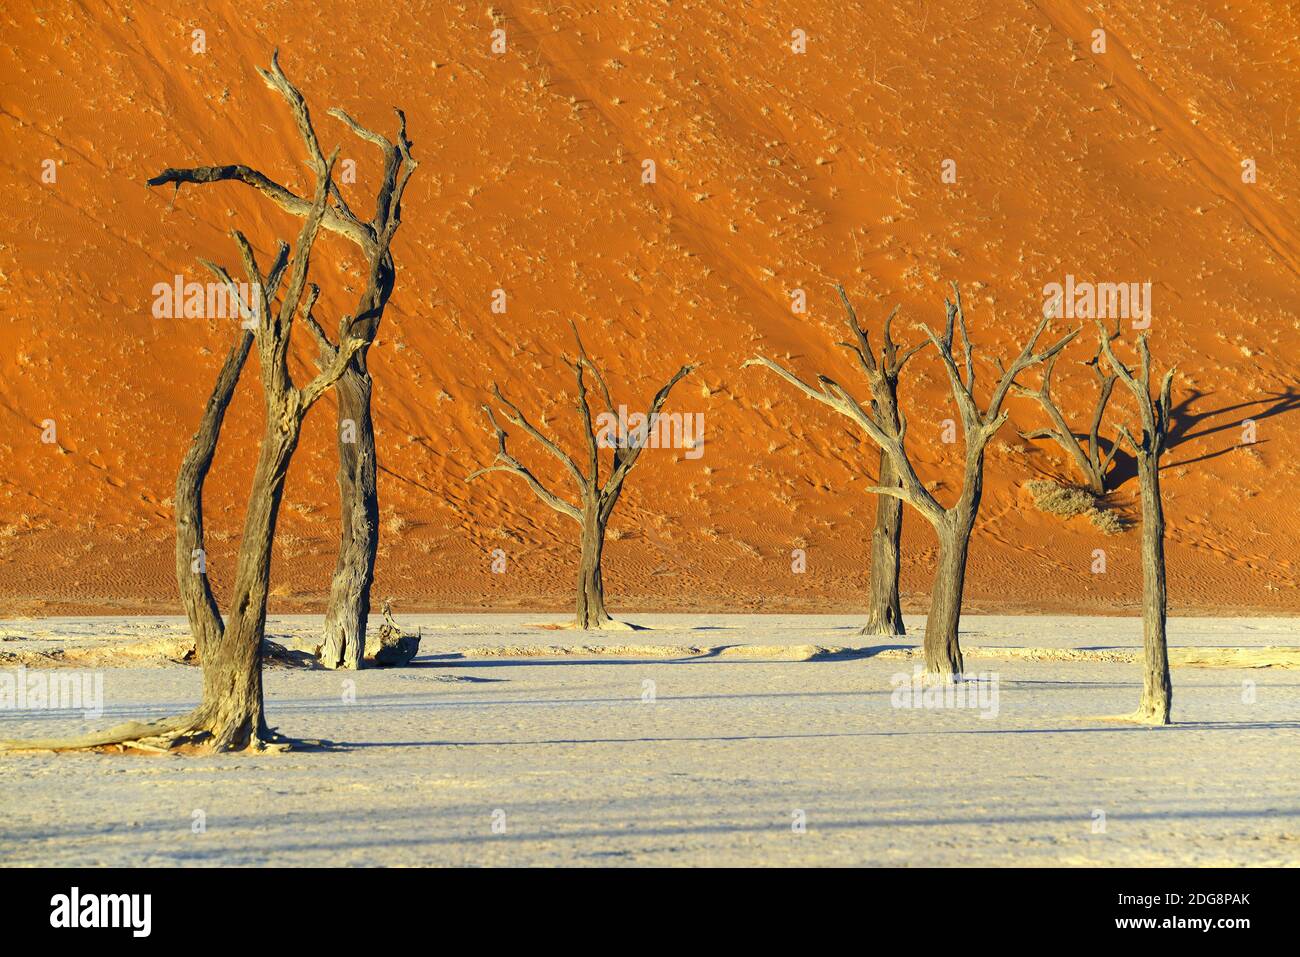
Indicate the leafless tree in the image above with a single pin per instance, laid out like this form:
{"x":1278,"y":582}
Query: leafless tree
{"x":596,"y":501}
{"x":231,"y":714}
{"x":191,"y":557}
{"x":349,"y":607}
{"x":887,"y":427}
{"x":1157,"y":692}
{"x":884,"y":613}
{"x":1092,"y":462}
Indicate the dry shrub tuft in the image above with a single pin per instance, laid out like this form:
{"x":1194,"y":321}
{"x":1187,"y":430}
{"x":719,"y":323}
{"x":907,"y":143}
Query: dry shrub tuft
{"x":1071,"y":500}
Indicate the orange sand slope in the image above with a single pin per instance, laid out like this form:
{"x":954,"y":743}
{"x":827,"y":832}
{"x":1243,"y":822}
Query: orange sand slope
{"x":776,"y":171}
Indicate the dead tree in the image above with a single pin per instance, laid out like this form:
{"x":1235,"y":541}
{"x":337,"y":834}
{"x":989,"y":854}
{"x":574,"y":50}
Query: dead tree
{"x":1091,"y":462}
{"x":191,"y":556}
{"x":231,"y":715}
{"x":1157,"y":691}
{"x":596,"y":501}
{"x":349,"y":606}
{"x":887,"y":427}
{"x":884,"y":613}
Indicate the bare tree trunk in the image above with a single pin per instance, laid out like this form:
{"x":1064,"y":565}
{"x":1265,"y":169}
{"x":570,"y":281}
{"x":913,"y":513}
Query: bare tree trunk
{"x":344,"y":640}
{"x":597,"y":499}
{"x":885,"y":615}
{"x":885,"y":426}
{"x":232,"y":666}
{"x":231,"y":715}
{"x":191,"y":557}
{"x":354,"y":573}
{"x":1157,"y":692}
{"x":942,"y":644}
{"x":591,"y":587}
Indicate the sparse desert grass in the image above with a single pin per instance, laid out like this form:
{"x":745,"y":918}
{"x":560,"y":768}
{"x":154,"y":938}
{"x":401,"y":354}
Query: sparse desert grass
{"x":1064,"y":500}
{"x":292,"y":546}
{"x":1068,"y":501}
{"x":503,"y":531}
{"x":1108,"y":521}
{"x":24,"y":524}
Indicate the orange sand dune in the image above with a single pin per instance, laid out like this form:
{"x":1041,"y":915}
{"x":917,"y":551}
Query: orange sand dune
{"x":776,"y":171}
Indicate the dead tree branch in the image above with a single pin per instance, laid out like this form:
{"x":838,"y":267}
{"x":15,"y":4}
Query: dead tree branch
{"x":596,"y":498}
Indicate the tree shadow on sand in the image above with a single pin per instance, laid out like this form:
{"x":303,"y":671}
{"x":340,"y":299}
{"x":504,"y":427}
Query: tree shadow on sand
{"x":1187,"y":425}
{"x":690,"y":739}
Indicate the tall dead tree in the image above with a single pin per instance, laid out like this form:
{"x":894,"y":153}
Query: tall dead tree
{"x":596,"y":501}
{"x":231,"y":714}
{"x":343,"y":641}
{"x":884,"y":612}
{"x":1092,"y":462}
{"x":191,"y":556}
{"x":1157,"y":691}
{"x":887,"y":427}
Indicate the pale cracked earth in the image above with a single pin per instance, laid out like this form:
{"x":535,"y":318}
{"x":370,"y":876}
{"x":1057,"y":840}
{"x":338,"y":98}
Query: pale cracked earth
{"x":699,"y":742}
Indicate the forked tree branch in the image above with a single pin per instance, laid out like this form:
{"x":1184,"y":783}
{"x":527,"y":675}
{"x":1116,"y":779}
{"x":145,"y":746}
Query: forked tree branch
{"x":1090,"y":461}
{"x":628,"y":457}
{"x":515,"y":416}
{"x":884,"y":423}
{"x":981,"y":425}
{"x":374,"y":236}
{"x":1154,"y":413}
{"x":592,"y":494}
{"x":508,"y":463}
{"x":886,"y":426}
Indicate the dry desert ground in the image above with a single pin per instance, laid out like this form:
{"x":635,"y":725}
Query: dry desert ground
{"x":702,"y":741}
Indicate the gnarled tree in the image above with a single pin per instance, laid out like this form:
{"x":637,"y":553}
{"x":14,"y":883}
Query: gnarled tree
{"x":231,"y":714}
{"x":1157,"y":692}
{"x":1092,"y":462}
{"x":887,"y":427}
{"x":596,"y":500}
{"x":884,"y":612}
{"x":191,"y":557}
{"x":349,"y":606}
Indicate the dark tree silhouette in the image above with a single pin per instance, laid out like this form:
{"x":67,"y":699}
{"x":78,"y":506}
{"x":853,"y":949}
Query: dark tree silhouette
{"x":344,"y":638}
{"x":231,"y":714}
{"x":1157,"y":691}
{"x":596,"y":500}
{"x":884,"y":611}
{"x":887,"y":427}
{"x":1092,"y":462}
